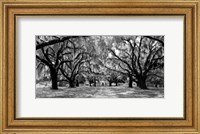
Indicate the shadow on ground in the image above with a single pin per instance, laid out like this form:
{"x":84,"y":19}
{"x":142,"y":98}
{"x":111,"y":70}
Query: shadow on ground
{"x":99,"y":92}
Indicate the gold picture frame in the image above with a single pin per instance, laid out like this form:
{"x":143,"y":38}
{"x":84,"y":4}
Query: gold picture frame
{"x":190,"y":9}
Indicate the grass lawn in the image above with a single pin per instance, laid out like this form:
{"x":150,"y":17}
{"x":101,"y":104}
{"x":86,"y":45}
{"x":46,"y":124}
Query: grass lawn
{"x":98,"y":92}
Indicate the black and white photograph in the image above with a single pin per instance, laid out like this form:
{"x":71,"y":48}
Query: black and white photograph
{"x":99,"y":66}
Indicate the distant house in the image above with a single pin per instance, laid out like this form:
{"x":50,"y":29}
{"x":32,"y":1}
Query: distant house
{"x":103,"y":83}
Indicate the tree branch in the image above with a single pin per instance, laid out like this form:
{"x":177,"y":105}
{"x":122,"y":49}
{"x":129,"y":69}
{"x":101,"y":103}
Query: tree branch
{"x":55,"y":41}
{"x":121,"y":59}
{"x":160,"y":41}
{"x":64,"y":61}
{"x":116,"y":70}
{"x":43,"y":61}
{"x":64,"y":74}
{"x":46,"y":57}
{"x":138,"y":60}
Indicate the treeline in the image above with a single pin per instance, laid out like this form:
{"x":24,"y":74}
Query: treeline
{"x":116,"y":59}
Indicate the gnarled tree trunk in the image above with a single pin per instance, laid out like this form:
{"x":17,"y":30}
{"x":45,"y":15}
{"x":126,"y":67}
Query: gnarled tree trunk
{"x":54,"y":78}
{"x":77,"y":83}
{"x":130,"y":82}
{"x":141,"y":83}
{"x":71,"y":83}
{"x":110,"y":84}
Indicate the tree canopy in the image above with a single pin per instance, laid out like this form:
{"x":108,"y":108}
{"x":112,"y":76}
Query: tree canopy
{"x":116,"y":59}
